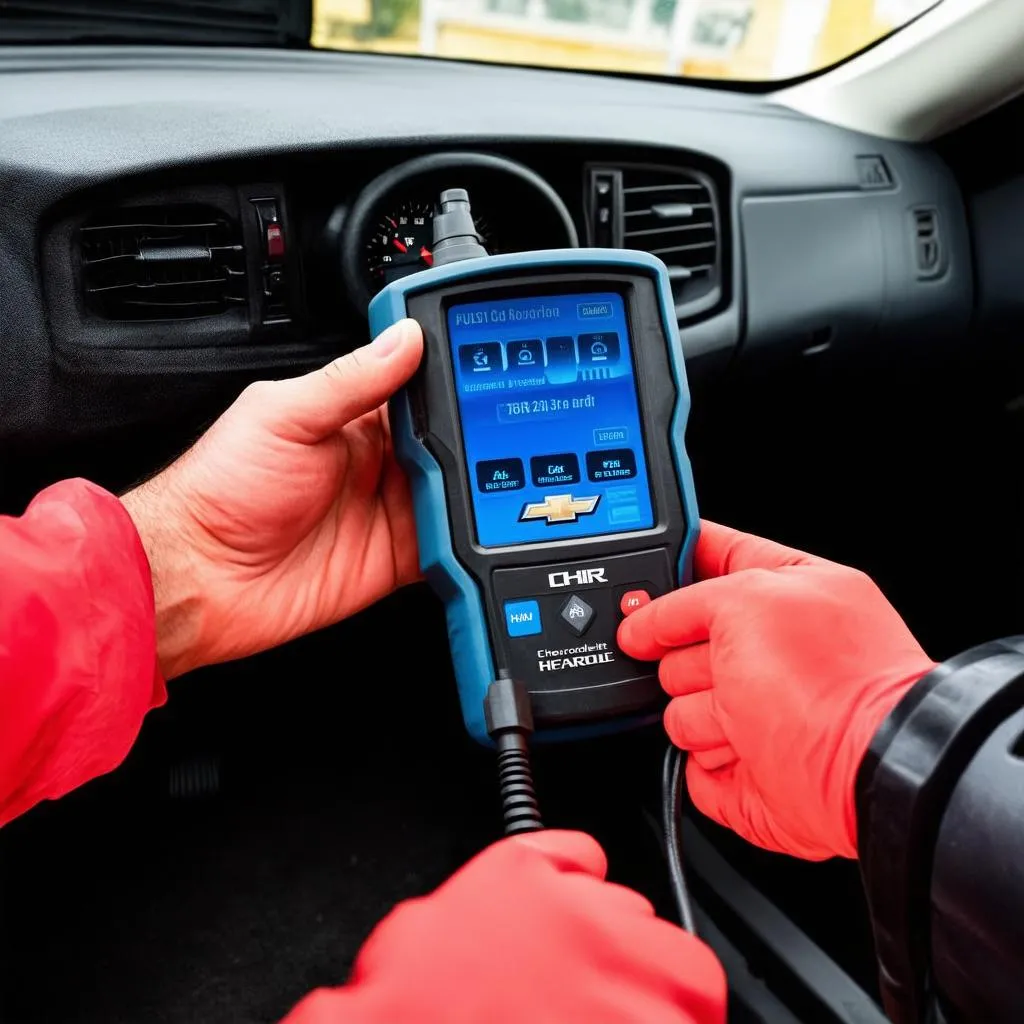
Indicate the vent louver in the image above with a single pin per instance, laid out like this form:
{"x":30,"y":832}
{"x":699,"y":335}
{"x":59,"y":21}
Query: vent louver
{"x":162,"y":263}
{"x":671,"y":214}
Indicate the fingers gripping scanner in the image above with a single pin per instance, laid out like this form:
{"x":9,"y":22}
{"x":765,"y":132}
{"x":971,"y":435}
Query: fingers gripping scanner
{"x":543,"y":438}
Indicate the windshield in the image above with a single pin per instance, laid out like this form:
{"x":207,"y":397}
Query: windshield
{"x":751,"y":40}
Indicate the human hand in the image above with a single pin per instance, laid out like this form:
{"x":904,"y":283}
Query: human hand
{"x":527,"y":931}
{"x":289,"y":514}
{"x":782,"y":667}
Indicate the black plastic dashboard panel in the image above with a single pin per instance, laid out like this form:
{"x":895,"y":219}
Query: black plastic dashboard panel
{"x":852,"y":270}
{"x":810,"y":246}
{"x":822,"y":290}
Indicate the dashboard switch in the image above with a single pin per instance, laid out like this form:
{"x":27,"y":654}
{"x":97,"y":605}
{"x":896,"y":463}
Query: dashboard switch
{"x":275,"y":242}
{"x":274,"y":301}
{"x":604,"y":207}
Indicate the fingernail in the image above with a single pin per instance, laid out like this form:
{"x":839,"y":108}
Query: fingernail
{"x":387,"y":343}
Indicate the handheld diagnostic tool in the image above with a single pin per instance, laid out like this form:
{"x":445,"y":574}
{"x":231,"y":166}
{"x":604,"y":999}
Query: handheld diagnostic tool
{"x":543,"y":438}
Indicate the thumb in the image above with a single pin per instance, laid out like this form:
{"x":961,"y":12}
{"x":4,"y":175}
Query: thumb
{"x":310,"y":407}
{"x":566,"y":851}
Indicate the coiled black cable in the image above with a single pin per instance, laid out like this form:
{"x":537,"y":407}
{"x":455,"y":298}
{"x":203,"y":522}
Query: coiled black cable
{"x":672,"y":825}
{"x":509,"y":723}
{"x":515,"y":780}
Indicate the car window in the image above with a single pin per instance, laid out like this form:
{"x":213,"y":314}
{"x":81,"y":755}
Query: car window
{"x":740,"y":40}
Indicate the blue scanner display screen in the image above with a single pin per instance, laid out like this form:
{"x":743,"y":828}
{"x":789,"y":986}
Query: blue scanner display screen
{"x":550,"y":418}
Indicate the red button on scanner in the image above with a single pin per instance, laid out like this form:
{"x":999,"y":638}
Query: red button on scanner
{"x":632,"y":600}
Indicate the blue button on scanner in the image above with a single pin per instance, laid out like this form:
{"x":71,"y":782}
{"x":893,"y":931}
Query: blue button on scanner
{"x":522,"y":618}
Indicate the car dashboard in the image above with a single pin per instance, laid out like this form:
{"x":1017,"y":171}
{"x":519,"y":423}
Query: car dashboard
{"x":181,"y":220}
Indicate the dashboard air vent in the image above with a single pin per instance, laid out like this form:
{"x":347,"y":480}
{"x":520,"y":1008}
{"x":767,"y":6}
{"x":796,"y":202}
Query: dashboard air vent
{"x":162,"y":263}
{"x":671,"y":214}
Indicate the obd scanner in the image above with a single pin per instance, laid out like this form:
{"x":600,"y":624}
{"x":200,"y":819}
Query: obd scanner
{"x":543,"y":439}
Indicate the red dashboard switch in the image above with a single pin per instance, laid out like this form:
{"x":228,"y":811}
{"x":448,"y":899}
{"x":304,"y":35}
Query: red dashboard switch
{"x":632,"y":600}
{"x":275,"y":242}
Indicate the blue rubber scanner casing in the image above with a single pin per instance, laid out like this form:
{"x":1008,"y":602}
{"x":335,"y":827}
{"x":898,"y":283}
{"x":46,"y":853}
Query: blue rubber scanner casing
{"x":465,"y":605}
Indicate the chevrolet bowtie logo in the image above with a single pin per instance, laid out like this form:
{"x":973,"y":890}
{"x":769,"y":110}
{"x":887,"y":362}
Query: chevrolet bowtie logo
{"x":559,"y":508}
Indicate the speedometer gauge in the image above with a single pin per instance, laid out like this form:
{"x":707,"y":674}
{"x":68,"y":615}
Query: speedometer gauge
{"x":401,"y":241}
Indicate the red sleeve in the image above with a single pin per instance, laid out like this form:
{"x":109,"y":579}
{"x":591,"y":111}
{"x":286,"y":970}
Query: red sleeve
{"x":78,"y":667}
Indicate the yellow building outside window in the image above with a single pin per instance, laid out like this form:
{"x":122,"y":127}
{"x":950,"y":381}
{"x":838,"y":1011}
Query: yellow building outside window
{"x":754,"y":40}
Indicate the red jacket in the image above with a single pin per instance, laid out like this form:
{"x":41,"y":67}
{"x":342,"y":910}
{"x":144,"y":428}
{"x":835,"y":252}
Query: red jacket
{"x":78,"y":666}
{"x":78,"y":672}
